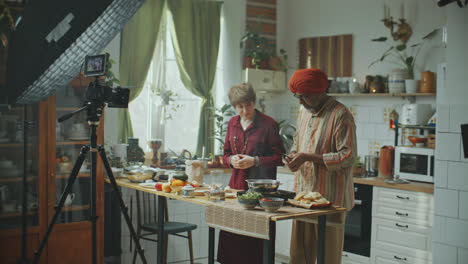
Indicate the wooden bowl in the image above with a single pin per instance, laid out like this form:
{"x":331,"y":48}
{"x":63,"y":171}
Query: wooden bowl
{"x":416,"y":140}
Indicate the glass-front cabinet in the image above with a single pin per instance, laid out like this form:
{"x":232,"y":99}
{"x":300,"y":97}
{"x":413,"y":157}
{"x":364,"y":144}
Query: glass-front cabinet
{"x":45,"y":151}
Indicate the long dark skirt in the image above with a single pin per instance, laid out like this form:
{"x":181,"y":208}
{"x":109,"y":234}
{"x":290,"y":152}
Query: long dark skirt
{"x":236,"y":249}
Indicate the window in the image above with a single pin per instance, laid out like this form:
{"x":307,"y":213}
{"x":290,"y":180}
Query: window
{"x":177,"y":123}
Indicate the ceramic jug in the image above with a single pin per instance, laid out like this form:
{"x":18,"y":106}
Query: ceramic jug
{"x":396,"y":81}
{"x":386,"y":162}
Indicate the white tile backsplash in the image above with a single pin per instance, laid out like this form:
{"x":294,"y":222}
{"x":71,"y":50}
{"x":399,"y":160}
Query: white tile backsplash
{"x":448,"y":146}
{"x":438,"y":229}
{"x":458,"y":176}
{"x":443,"y":117}
{"x":376,"y":114}
{"x":457,"y":232}
{"x":446,"y":202}
{"x":440,"y":171}
{"x":463,"y":202}
{"x":458,"y":115}
{"x":444,"y":253}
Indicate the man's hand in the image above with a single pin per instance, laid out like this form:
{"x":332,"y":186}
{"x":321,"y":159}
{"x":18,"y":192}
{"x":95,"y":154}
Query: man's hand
{"x":295,"y":160}
{"x":242,"y":161}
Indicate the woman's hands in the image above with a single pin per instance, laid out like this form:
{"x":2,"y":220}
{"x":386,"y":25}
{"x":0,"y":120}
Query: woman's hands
{"x":241,"y":161}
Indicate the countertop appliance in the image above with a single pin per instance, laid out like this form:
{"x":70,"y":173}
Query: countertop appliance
{"x":415,"y":164}
{"x":372,"y":165}
{"x":357,"y":238}
{"x":415,"y":114}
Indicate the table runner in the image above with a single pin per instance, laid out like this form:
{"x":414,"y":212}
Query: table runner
{"x":232,"y":217}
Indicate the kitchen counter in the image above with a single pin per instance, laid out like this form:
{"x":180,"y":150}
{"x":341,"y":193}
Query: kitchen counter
{"x":412,"y":186}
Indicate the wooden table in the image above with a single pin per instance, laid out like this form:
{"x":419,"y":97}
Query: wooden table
{"x":268,"y":244}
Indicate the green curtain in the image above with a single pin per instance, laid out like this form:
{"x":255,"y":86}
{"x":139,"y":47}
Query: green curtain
{"x":195,"y":37}
{"x":137,"y":45}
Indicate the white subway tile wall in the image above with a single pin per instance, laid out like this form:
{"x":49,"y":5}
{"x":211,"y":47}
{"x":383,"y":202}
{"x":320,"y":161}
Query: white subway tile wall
{"x":444,"y":253}
{"x":448,"y":146}
{"x":458,"y":176}
{"x":462,"y":256}
{"x":443,"y":117}
{"x":446,"y":202}
{"x":450,"y":229}
{"x":463,"y":206}
{"x":440,"y":173}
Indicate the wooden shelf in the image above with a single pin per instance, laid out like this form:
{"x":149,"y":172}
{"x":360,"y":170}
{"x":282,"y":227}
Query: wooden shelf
{"x":74,"y":208}
{"x":13,"y":145}
{"x":17,"y":179}
{"x":380,"y":94}
{"x":66,"y":175}
{"x":68,"y":109}
{"x":78,"y":142}
{"x":16,"y":214}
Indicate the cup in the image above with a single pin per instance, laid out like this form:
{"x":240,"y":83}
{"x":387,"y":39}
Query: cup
{"x":8,"y":206}
{"x":69,"y":199}
{"x":121,"y":151}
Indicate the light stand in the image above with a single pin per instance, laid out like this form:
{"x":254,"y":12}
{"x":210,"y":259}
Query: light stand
{"x":94,"y":111}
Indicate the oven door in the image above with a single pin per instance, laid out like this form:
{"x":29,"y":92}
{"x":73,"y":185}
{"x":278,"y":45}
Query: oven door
{"x":359,"y":221}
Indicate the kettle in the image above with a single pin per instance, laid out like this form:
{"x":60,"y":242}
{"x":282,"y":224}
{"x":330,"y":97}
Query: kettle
{"x":372,"y":165}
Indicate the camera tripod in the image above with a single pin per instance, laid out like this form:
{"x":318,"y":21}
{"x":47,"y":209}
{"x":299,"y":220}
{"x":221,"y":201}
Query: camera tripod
{"x":94,"y":112}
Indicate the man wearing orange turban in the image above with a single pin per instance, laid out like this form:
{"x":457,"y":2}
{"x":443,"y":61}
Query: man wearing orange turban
{"x":322,"y":158}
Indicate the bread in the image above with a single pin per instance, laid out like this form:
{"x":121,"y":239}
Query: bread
{"x":312,"y":196}
{"x":299,"y":196}
{"x":309,"y":200}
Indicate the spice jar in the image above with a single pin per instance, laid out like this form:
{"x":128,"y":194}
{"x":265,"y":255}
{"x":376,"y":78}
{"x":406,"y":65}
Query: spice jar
{"x":188,"y":191}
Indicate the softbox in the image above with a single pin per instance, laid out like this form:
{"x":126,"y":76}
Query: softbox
{"x":52,"y":40}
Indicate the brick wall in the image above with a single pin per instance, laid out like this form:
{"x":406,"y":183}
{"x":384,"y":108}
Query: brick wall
{"x":261,"y":16}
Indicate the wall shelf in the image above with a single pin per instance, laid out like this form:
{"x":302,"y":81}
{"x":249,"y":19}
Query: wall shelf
{"x":380,"y":94}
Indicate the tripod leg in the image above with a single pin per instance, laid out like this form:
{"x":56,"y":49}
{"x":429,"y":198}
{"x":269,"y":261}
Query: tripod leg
{"x":123,"y":208}
{"x":58,"y":208}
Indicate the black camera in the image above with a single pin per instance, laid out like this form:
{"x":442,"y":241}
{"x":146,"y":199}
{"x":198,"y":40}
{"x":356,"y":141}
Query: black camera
{"x":96,"y":66}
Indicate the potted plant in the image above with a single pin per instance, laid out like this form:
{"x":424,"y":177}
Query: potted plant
{"x":279,"y":63}
{"x":257,"y":49}
{"x":221,"y":118}
{"x":401,"y":54}
{"x":286,"y":132}
{"x":358,"y":169}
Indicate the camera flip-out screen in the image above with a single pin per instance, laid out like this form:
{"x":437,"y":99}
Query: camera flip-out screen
{"x":95,"y":65}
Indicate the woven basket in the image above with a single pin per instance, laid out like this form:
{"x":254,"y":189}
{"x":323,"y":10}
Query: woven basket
{"x":431,"y":141}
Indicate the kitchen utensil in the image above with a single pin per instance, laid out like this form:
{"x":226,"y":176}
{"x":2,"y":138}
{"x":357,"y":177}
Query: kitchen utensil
{"x":415,"y":114}
{"x":271,"y":204}
{"x":417,"y":140}
{"x":387,"y":154}
{"x":69,"y":199}
{"x":372,"y":165}
{"x":247,"y":203}
{"x":188,"y":191}
{"x":263,"y":185}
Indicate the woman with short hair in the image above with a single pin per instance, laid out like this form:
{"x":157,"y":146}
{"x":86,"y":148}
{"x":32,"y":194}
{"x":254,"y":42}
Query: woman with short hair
{"x":253,"y":148}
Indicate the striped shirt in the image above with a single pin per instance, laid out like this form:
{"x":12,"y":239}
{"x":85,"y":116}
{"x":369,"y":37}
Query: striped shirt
{"x":332,"y":133}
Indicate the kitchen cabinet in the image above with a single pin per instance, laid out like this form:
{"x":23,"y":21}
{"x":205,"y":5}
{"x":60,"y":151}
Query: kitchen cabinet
{"x":350,"y":258}
{"x":52,"y":149}
{"x":266,"y":80}
{"x":401,"y":226}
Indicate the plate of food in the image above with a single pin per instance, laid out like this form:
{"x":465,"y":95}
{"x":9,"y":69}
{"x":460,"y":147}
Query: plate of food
{"x":309,"y":200}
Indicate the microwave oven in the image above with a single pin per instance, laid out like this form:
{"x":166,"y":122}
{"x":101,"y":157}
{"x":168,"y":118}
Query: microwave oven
{"x":415,"y":164}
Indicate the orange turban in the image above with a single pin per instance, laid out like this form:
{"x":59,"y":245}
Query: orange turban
{"x":308,"y":81}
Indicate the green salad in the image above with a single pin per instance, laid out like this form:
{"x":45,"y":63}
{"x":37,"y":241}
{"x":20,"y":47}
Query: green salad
{"x":251,"y":195}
